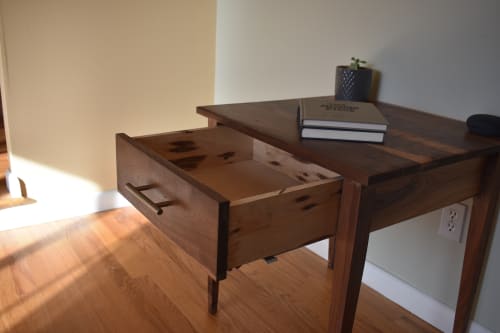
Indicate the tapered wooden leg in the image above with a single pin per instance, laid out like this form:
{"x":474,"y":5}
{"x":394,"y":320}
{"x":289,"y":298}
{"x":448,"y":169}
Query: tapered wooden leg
{"x":351,"y":244}
{"x":331,"y":252}
{"x":213,"y":295}
{"x":482,"y":219}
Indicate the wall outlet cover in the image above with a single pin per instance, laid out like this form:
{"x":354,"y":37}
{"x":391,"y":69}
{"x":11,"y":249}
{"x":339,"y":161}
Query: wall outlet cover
{"x":452,"y":221}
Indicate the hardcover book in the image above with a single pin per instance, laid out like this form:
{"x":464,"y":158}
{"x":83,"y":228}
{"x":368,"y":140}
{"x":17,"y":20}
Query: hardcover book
{"x":329,"y":113}
{"x":344,"y":135}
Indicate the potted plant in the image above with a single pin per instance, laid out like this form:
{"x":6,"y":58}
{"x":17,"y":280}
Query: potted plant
{"x":353,"y":82}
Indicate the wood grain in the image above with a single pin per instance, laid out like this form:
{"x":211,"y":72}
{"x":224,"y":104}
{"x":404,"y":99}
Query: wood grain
{"x":351,"y":243}
{"x":480,"y":227}
{"x":415,"y":140}
{"x":115,"y":272}
{"x":200,"y":148}
{"x":213,"y":295}
{"x":426,"y":162}
{"x":405,"y":197}
{"x":276,"y":222}
{"x":331,"y":252}
{"x":293,"y":166}
{"x":197,"y":219}
{"x":243,"y":179}
{"x":276,"y":200}
{"x":383,"y":184}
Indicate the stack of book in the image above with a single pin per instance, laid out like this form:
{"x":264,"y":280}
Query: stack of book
{"x":326,"y":118}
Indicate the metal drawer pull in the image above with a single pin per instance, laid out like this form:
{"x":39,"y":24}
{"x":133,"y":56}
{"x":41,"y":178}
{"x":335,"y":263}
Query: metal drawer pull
{"x":154,"y":206}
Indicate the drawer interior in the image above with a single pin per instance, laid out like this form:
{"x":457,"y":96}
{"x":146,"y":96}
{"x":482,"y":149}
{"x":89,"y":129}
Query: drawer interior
{"x":233,"y":164}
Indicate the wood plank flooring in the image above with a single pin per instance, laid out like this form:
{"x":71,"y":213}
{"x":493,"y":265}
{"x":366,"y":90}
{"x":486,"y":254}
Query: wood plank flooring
{"x":114,"y":272}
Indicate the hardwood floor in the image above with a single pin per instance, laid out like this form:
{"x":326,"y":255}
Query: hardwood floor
{"x":114,"y":272}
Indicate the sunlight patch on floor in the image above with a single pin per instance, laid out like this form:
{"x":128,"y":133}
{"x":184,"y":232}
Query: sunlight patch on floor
{"x":60,"y":208}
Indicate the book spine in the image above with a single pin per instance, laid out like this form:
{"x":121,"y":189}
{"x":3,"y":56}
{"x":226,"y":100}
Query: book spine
{"x":308,"y":133}
{"x":342,"y":129}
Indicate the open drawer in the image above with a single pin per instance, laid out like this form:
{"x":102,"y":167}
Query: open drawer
{"x":226,"y":198}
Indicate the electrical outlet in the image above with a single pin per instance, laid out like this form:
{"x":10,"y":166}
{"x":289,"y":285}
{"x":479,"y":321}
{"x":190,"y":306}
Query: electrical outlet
{"x":452,"y":222}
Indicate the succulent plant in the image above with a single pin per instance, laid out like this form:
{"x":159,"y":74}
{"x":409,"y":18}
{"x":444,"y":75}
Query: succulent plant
{"x":356,"y":63}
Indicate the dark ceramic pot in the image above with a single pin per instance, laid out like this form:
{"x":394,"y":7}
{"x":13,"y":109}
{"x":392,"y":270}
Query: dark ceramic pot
{"x":353,"y":84}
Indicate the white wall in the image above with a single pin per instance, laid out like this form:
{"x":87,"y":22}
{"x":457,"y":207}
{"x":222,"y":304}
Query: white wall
{"x":75,"y":72}
{"x":437,"y":56}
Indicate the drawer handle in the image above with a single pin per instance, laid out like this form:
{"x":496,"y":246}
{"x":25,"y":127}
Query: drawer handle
{"x":154,"y":206}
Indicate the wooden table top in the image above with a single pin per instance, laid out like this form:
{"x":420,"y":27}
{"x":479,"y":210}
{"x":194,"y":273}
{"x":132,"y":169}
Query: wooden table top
{"x":414,"y":141}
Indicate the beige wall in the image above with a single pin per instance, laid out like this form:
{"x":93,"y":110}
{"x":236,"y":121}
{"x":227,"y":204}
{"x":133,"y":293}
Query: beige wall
{"x":437,"y":56}
{"x":76,"y":72}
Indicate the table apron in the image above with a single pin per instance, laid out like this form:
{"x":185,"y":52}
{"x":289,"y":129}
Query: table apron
{"x":409,"y":196}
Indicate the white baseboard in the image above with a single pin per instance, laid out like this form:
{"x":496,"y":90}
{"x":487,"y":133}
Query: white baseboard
{"x":423,"y":306}
{"x":60,"y":208}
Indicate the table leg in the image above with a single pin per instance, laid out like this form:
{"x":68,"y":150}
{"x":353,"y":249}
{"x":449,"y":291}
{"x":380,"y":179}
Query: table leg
{"x":213,"y":295}
{"x":482,"y":218}
{"x":331,"y":252}
{"x":212,"y":122}
{"x":351,"y":242}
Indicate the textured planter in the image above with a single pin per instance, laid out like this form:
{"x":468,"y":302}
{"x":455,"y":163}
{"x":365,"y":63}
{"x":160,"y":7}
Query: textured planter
{"x":353,"y":84}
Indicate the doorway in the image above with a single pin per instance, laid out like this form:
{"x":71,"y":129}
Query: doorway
{"x":4,"y":160}
{"x":6,"y":200}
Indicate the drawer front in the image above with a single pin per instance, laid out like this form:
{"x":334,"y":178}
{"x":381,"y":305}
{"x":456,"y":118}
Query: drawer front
{"x":196,"y":218}
{"x":276,"y":202}
{"x":283,"y":220}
